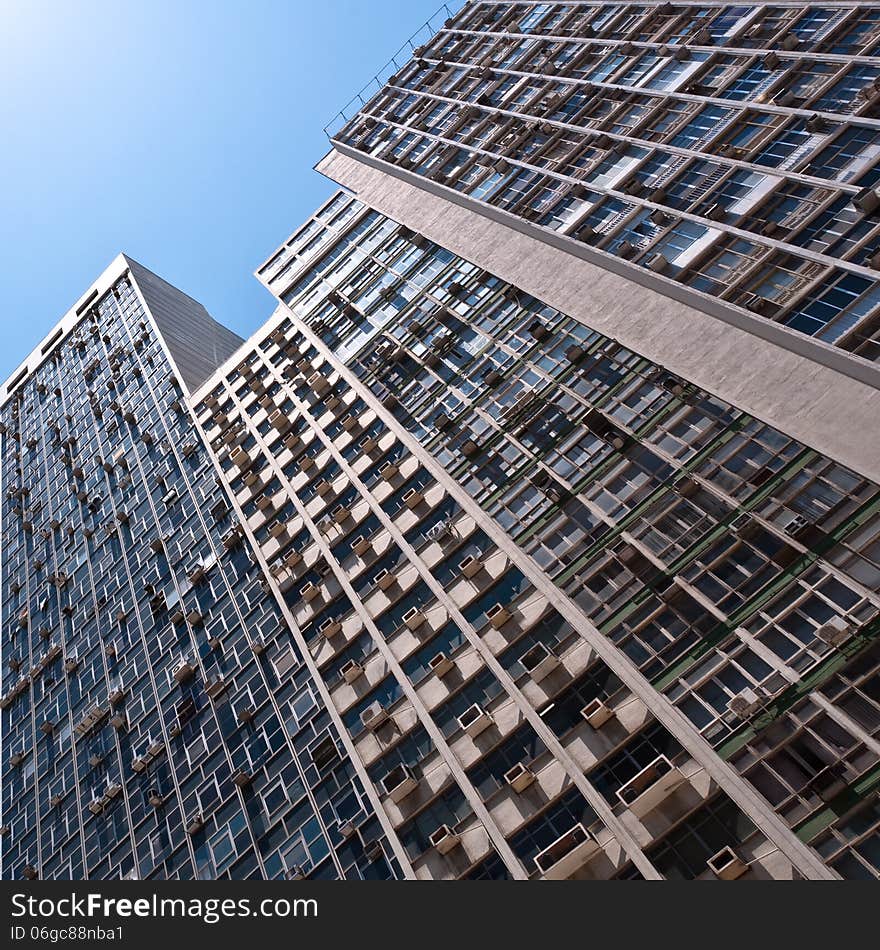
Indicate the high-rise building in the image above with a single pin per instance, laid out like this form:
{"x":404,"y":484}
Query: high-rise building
{"x":537,"y":532}
{"x":688,"y":178}
{"x":157,"y":722}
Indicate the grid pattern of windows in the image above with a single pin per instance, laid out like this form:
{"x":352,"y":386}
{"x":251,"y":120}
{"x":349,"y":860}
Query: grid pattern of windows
{"x":157,"y":720}
{"x":725,"y":563}
{"x":598,"y":120}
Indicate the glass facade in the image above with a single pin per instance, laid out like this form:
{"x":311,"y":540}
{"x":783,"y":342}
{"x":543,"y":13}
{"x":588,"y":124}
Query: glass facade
{"x":157,"y":721}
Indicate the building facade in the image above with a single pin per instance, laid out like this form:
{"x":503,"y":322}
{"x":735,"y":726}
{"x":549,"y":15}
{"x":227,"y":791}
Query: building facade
{"x":575,"y":615}
{"x":157,"y":722}
{"x":536,"y":535}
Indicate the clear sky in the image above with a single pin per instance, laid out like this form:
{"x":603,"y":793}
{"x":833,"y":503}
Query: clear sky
{"x":182,"y":132}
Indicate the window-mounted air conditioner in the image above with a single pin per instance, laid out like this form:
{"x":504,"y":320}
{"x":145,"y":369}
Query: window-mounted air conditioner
{"x":309,"y":592}
{"x":414,"y":618}
{"x":568,"y":854}
{"x":519,"y":777}
{"x":498,"y":615}
{"x":539,"y":662}
{"x":399,"y":782}
{"x":384,"y":579}
{"x":374,"y":716}
{"x":835,"y":632}
{"x":745,"y":704}
{"x":727,"y":865}
{"x":444,"y":839}
{"x":475,"y":720}
{"x":183,"y":670}
{"x":597,"y":713}
{"x":650,"y":787}
{"x":360,"y":545}
{"x":413,"y":498}
{"x":330,"y":627}
{"x":350,"y":671}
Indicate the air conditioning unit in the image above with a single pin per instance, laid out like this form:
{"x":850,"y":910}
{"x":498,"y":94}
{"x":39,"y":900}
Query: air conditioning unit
{"x":413,"y":618}
{"x":346,"y":827}
{"x":318,"y":383}
{"x":444,"y":839}
{"x":258,"y":646}
{"x":440,"y":665}
{"x":475,"y":720}
{"x":277,"y":529}
{"x":30,"y":872}
{"x":295,"y":873}
{"x":309,"y":592}
{"x":323,"y":487}
{"x":215,"y":687}
{"x":796,"y":526}
{"x":330,"y":627}
{"x":596,"y":713}
{"x":155,"y":797}
{"x":399,"y":782}
{"x":539,"y":331}
{"x":195,"y":823}
{"x":246,"y":714}
{"x":520,"y":777}
{"x":95,"y":759}
{"x":239,"y":458}
{"x":183,"y":670}
{"x":368,"y":444}
{"x":140,"y":762}
{"x":374,"y":716}
{"x":653,"y":785}
{"x":279,"y":421}
{"x":56,"y":799}
{"x":384,"y":579}
{"x":867,"y":200}
{"x":242,"y":778}
{"x":413,"y":498}
{"x":727,"y":865}
{"x":836,"y":632}
{"x":197,"y":574}
{"x":470,"y":566}
{"x":568,"y":854}
{"x":351,"y":670}
{"x":361,"y":545}
{"x":96,"y":805}
{"x":539,"y":662}
{"x":747,"y":703}
{"x":16,"y":758}
{"x":341,"y":513}
{"x":116,"y":693}
{"x":498,"y":615}
{"x":388,"y":470}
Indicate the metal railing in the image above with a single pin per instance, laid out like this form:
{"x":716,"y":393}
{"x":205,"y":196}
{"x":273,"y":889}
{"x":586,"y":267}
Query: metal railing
{"x":424,"y":34}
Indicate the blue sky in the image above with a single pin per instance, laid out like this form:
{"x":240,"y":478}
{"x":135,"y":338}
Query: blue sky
{"x":183,"y":133}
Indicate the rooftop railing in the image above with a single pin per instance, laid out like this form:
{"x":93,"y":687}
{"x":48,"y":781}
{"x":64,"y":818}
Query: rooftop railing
{"x":424,"y":34}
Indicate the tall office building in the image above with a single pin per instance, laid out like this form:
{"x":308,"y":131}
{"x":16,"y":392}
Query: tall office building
{"x":157,"y":721}
{"x":548,"y":494}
